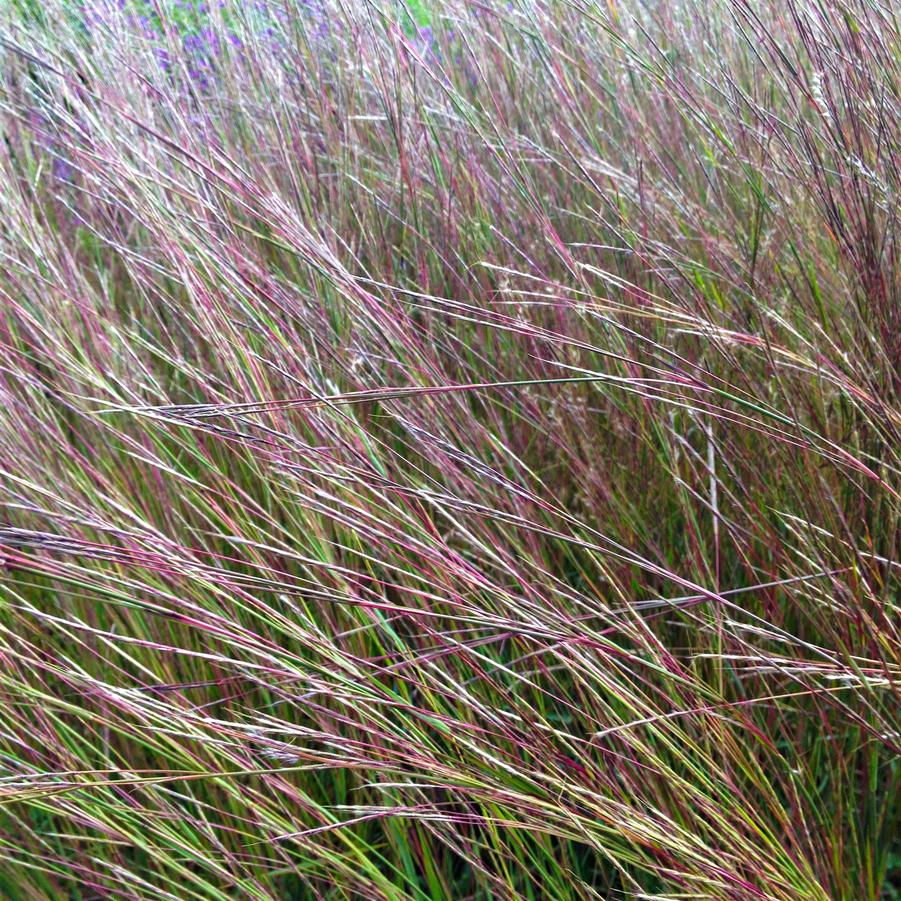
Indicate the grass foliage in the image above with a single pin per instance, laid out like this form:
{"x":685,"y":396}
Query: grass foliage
{"x":450,"y":450}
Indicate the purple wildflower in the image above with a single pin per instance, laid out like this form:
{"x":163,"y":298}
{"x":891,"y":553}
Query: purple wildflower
{"x":62,"y":169}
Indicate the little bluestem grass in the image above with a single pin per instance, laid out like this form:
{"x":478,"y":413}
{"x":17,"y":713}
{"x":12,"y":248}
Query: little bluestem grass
{"x":450,"y":450}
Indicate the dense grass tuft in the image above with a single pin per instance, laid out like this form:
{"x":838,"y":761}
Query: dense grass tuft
{"x":450,"y":450}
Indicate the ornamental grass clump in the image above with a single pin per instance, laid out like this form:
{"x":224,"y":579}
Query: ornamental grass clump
{"x":450,"y":450}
